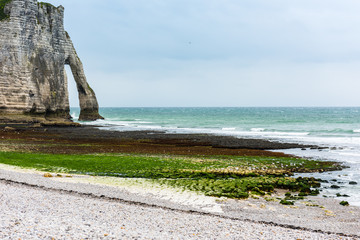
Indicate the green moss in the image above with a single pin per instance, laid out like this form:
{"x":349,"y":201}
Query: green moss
{"x":342,"y":195}
{"x":302,"y":194}
{"x":237,"y":188}
{"x":91,"y":90}
{"x":286,"y":202}
{"x":294,"y":198}
{"x":270,"y":199}
{"x":344,"y":203}
{"x":220,"y":176}
{"x":49,"y":5}
{"x":2,"y":6}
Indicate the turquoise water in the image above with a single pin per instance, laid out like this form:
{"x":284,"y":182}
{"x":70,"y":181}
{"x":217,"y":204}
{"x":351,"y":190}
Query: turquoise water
{"x":337,"y":128}
{"x":327,"y":122}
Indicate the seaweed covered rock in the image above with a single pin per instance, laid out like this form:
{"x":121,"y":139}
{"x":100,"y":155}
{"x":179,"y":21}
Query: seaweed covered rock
{"x":34,"y":48}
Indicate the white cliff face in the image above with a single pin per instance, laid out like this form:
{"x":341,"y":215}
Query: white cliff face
{"x":34,"y":48}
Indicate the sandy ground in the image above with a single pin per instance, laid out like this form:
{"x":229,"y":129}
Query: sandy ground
{"x":83,"y":207}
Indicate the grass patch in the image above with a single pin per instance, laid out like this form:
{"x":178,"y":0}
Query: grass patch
{"x":220,"y":176}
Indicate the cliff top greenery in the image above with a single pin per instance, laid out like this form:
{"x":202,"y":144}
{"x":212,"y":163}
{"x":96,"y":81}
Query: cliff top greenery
{"x":45,"y":4}
{"x":3,"y":15}
{"x":2,"y":6}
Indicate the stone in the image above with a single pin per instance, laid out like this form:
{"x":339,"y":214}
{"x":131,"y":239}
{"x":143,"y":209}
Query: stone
{"x":9,"y":129}
{"x":34,"y":48}
{"x":60,"y":124}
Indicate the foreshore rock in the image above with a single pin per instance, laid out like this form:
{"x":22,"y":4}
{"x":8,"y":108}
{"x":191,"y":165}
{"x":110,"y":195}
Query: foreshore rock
{"x":34,"y":48}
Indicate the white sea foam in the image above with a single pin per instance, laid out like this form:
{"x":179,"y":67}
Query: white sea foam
{"x":257,"y":129}
{"x":296,"y":137}
{"x":356,"y":131}
{"x":74,"y":116}
{"x":228,"y":129}
{"x":107,"y":122}
{"x":272,"y":134}
{"x":352,"y":154}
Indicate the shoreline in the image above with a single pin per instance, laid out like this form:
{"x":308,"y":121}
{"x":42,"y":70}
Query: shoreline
{"x":315,"y":214}
{"x":92,"y":134}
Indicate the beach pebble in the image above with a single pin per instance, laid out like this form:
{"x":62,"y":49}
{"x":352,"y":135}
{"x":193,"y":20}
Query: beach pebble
{"x":9,"y":129}
{"x":48,"y":175}
{"x":32,"y":213}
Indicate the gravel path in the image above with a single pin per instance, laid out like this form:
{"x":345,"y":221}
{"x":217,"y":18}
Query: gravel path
{"x":34,"y":213}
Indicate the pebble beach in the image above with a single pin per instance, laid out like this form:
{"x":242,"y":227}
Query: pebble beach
{"x":35,"y":207}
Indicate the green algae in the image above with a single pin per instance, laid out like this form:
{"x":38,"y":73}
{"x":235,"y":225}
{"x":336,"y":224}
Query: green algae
{"x":286,"y":202}
{"x":240,"y":188}
{"x":3,"y":15}
{"x":90,"y":89}
{"x":160,"y":166}
{"x":218,"y":176}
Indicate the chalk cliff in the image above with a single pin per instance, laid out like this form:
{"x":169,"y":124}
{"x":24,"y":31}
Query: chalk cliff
{"x":34,"y":48}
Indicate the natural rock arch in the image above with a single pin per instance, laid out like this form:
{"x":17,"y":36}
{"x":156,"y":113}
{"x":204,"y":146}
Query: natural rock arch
{"x":34,"y":48}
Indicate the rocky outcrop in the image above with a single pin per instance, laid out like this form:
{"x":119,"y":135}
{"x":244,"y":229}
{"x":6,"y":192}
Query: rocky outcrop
{"x":34,"y":47}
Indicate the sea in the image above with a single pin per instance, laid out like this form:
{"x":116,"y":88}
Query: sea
{"x":335,"y":128}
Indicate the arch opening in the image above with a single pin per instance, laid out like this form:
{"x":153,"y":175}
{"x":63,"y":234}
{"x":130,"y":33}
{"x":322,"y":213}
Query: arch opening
{"x":73,"y":94}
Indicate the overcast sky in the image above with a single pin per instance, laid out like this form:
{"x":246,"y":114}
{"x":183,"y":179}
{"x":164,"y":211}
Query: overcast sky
{"x":144,"y":53}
